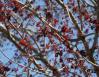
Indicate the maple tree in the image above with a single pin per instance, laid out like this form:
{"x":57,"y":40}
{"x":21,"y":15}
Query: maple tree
{"x":50,"y":38}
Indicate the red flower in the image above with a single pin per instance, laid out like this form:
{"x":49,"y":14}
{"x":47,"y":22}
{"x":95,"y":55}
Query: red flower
{"x":48,"y":15}
{"x":23,"y":42}
{"x":30,"y":47}
{"x":38,"y":24}
{"x":75,"y":9}
{"x":81,"y":63}
{"x":3,"y":69}
{"x":47,"y":46}
{"x":87,"y":16}
{"x":64,"y":29}
{"x":55,"y":21}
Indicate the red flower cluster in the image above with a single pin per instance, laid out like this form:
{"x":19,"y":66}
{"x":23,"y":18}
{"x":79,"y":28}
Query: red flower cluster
{"x":26,"y":44}
{"x":75,"y":8}
{"x":3,"y":69}
{"x":64,"y":29}
{"x":23,"y":42}
{"x":55,"y":21}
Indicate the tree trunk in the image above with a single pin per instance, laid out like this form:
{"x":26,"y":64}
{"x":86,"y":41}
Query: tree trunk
{"x":97,"y":12}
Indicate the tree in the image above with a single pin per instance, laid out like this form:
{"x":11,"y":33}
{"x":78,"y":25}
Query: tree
{"x":50,"y":38}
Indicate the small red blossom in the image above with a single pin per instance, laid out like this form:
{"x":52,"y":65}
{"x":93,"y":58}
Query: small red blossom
{"x":38,"y":24}
{"x":81,"y":63}
{"x":47,"y":46}
{"x":64,"y":29}
{"x":87,"y":16}
{"x":3,"y":69}
{"x":55,"y":21}
{"x":48,"y":15}
{"x":30,"y":47}
{"x":75,"y":8}
{"x":23,"y":42}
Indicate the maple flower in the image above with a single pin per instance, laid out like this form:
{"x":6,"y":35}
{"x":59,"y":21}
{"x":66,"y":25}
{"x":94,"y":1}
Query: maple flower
{"x":48,"y":15}
{"x":64,"y":29}
{"x":3,"y":69}
{"x":75,"y":8}
{"x":30,"y":47}
{"x":55,"y":21}
{"x":87,"y":16}
{"x":23,"y":42}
